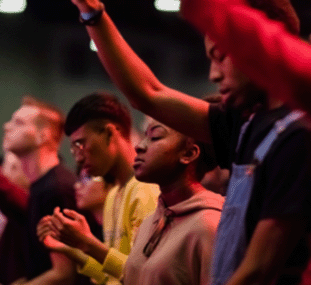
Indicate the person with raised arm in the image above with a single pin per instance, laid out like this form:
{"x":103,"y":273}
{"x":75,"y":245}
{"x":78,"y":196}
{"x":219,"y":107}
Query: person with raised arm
{"x":268,"y":188}
{"x":270,"y":54}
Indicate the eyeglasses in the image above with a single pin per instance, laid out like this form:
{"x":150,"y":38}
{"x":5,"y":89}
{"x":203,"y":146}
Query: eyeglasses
{"x":85,"y":179}
{"x":76,"y":147}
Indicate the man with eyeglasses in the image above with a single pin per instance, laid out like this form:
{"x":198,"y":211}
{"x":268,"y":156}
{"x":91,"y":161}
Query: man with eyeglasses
{"x":99,"y":128}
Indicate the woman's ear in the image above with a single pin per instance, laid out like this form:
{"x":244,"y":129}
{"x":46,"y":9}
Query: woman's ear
{"x":190,"y":154}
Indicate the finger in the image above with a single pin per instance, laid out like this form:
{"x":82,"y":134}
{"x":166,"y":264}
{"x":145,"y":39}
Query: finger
{"x":42,"y":230}
{"x":59,"y":215}
{"x":46,"y":218}
{"x":57,"y":222}
{"x":72,"y":214}
{"x":56,"y":210}
{"x":54,"y":225}
{"x":45,"y":233}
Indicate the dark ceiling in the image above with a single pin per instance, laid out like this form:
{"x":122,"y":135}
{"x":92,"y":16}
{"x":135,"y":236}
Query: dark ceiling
{"x":138,"y":12}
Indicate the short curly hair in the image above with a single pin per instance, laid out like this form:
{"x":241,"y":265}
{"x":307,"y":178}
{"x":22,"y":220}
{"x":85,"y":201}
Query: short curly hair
{"x":99,"y":106}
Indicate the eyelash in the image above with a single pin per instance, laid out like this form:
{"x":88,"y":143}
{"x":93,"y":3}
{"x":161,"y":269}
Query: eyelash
{"x":155,"y":138}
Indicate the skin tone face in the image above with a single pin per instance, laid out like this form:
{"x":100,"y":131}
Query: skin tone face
{"x":158,"y":154}
{"x":89,"y":192}
{"x":229,"y":79}
{"x":21,"y":134}
{"x":93,"y":151}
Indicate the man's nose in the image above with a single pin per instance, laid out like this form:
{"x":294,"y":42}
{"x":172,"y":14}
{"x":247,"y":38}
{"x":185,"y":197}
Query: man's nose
{"x":215,"y":73}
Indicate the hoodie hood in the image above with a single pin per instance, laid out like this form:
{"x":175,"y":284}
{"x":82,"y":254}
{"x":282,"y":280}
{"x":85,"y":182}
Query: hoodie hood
{"x":201,"y":201}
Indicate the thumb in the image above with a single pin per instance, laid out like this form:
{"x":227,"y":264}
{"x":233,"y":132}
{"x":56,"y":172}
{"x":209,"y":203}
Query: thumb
{"x":72,"y":214}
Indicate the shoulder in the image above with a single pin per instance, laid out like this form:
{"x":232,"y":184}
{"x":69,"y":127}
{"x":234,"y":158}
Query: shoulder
{"x":205,"y":220}
{"x":140,"y":190}
{"x":63,"y":175}
{"x":296,"y":138}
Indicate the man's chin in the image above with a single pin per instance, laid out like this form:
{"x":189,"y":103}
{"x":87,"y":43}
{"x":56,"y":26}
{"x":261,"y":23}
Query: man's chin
{"x":246,"y":98}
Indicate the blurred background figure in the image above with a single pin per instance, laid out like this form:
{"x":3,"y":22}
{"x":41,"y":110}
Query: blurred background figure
{"x":90,"y":194}
{"x":33,"y":135}
{"x":14,"y":195}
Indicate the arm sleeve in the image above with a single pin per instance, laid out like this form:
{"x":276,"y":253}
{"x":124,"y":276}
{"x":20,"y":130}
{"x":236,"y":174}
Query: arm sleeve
{"x":13,"y":199}
{"x":113,"y":265}
{"x":141,"y":203}
{"x":281,"y":63}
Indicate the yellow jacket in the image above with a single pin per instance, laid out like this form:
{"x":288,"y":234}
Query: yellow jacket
{"x":138,"y":201}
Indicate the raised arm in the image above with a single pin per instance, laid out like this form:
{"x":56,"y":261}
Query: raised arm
{"x":133,"y":77}
{"x":269,"y":55}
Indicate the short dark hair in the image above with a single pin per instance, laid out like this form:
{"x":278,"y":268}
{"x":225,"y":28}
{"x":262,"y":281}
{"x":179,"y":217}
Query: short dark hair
{"x":279,"y":10}
{"x":49,"y":115}
{"x":99,"y":106}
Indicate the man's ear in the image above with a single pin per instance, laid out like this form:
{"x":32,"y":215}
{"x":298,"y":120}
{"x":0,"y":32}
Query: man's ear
{"x":110,"y":130}
{"x":190,"y":154}
{"x":43,"y":135}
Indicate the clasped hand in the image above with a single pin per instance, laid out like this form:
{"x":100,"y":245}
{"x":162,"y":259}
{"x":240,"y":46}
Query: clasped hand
{"x":67,"y":227}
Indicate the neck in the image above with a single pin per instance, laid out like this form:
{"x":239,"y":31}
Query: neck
{"x":98,"y":214}
{"x":180,"y":190}
{"x":38,"y":163}
{"x":123,"y":169}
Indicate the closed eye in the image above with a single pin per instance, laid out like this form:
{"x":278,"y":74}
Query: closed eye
{"x":155,"y":138}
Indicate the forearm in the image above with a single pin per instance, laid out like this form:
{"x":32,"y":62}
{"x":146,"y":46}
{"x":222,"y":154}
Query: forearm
{"x":50,"y":278}
{"x":76,"y":255}
{"x":126,"y":69}
{"x":63,"y":271}
{"x":96,"y":249}
{"x":138,"y":83}
{"x":248,"y":275}
{"x":271,"y":244}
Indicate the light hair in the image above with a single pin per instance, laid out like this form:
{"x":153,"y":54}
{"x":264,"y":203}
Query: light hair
{"x":49,"y":116}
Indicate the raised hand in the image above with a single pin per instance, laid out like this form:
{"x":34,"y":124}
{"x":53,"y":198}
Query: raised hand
{"x":73,"y":228}
{"x":87,"y":5}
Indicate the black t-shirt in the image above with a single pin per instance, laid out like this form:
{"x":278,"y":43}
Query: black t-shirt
{"x":54,"y":189}
{"x":282,"y":184}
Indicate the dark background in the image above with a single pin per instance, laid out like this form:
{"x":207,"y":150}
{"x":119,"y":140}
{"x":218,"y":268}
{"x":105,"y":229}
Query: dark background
{"x":45,"y":52}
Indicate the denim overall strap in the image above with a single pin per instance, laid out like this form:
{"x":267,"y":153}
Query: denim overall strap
{"x":231,"y":240}
{"x":278,"y":128}
{"x":243,"y":130}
